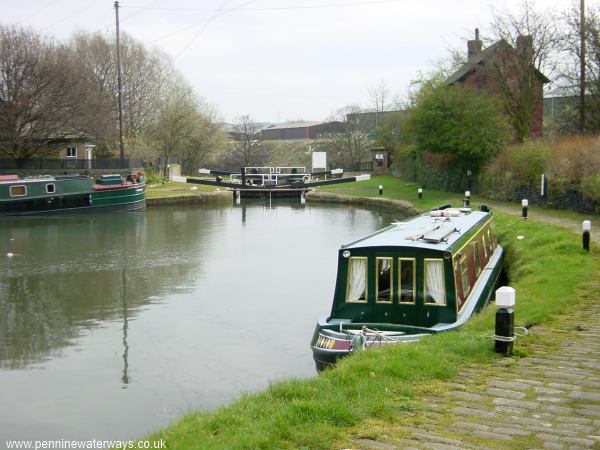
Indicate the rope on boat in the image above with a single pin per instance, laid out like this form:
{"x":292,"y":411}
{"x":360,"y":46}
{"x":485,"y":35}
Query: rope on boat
{"x":511,"y":338}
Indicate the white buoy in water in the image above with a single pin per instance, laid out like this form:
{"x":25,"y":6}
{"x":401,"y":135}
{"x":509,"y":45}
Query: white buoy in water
{"x":10,"y":255}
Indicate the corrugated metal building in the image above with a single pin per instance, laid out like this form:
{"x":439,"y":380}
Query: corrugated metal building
{"x":300,"y":131}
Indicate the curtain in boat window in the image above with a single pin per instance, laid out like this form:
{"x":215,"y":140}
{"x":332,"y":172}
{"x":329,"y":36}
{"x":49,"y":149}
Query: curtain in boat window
{"x":384,"y":280}
{"x":357,"y":280}
{"x":434,"y":282}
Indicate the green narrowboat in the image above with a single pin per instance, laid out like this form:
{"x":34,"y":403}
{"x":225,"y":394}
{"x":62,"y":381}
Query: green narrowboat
{"x":60,"y":194}
{"x":409,"y":280}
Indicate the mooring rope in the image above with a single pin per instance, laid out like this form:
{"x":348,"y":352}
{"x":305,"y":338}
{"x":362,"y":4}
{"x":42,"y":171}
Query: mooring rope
{"x":511,"y":338}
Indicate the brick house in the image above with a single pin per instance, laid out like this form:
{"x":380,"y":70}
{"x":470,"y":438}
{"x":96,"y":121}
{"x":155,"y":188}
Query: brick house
{"x":507,"y":71}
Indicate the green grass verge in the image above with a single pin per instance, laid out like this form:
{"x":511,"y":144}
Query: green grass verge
{"x":549,"y":272}
{"x":174,"y":189}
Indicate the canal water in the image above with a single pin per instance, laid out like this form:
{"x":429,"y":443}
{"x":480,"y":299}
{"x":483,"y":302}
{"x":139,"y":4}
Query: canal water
{"x":114,"y":325}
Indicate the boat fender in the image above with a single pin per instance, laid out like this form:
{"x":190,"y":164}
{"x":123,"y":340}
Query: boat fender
{"x":358,"y":343}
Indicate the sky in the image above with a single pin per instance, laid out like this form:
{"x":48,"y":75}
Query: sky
{"x":281,"y":60}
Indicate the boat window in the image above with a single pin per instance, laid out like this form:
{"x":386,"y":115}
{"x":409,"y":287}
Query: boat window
{"x":464,"y":276}
{"x":384,"y":280}
{"x":475,"y":250}
{"x":18,"y":191}
{"x":406,"y":275}
{"x":356,"y":290}
{"x":435,"y":290}
{"x":50,"y":188}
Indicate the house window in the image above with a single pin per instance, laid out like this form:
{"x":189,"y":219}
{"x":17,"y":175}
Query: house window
{"x":384,"y":280}
{"x":18,"y":191}
{"x":356,"y":290}
{"x":435,"y":289}
{"x":406,"y":275}
{"x":50,"y":188}
{"x":71,"y":152}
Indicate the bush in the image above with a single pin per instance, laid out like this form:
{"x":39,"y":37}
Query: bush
{"x":459,"y":121}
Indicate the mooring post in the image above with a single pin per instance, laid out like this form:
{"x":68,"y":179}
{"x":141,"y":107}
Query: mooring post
{"x":544,"y":189}
{"x":505,"y":320}
{"x":420,"y":193}
{"x":587,"y":228}
{"x":381,"y":189}
{"x":467,"y":199}
{"x":302,"y":197}
{"x":524,"y":204}
{"x":238,"y":197}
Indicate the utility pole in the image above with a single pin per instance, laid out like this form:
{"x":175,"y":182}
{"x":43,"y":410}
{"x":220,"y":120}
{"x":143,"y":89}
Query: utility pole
{"x":120,"y":85}
{"x":582,"y":66}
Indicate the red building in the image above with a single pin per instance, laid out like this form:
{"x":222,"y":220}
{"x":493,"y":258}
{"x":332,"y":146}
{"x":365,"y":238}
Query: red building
{"x":507,"y":71}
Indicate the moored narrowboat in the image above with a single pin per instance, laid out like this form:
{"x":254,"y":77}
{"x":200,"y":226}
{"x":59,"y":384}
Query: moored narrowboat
{"x":59,"y":194}
{"x":409,"y":280}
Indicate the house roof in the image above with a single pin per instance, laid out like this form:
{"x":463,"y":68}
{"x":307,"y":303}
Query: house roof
{"x":479,"y":59}
{"x":280,"y":126}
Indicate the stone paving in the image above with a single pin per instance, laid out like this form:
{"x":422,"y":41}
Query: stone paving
{"x":547,"y":400}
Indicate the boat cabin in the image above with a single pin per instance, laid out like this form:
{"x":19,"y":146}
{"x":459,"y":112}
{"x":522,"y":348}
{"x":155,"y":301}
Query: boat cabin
{"x":419,"y":273}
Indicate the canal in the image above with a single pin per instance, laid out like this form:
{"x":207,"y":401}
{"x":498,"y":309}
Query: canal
{"x":114,"y":325}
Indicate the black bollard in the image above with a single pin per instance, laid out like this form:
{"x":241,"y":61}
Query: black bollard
{"x":467,"y":199}
{"x":587,"y":228}
{"x":505,"y":321}
{"x":524,"y":204}
{"x":381,"y":189}
{"x":420,"y":193}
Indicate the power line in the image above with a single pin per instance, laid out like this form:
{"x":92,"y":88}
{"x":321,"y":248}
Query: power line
{"x":68,"y":16}
{"x":206,"y":24}
{"x":202,"y":22}
{"x":268,"y":8}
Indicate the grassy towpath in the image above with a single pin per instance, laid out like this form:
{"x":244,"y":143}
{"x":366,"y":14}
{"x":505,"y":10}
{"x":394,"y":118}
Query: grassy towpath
{"x":547,"y":396}
{"x":448,"y":391}
{"x":397,"y":189}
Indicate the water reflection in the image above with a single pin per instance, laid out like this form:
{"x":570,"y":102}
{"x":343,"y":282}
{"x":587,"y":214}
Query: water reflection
{"x":114,"y":325}
{"x":72,"y":272}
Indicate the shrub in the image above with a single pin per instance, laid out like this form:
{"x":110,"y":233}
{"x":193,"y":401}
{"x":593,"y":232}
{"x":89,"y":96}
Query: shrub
{"x":459,"y":121}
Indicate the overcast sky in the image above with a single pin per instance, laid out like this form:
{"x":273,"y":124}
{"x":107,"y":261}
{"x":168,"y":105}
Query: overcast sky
{"x":281,"y":60}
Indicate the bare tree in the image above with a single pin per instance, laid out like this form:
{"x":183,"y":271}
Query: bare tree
{"x":534,"y":34}
{"x":247,"y":149}
{"x":145,"y":74}
{"x":570,"y":75}
{"x":40,"y":94}
{"x":175,"y":120}
{"x":379,"y":96}
{"x":350,"y":146}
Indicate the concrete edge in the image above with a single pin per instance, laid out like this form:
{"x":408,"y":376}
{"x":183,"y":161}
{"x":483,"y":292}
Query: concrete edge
{"x":371,"y":202}
{"x":192,"y":199}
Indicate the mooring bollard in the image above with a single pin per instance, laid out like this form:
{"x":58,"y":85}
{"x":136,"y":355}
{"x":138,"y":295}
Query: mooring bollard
{"x":302,"y":198}
{"x":505,"y":320}
{"x":381,"y":189}
{"x":524,"y":204}
{"x":467,"y":199}
{"x":587,"y":228}
{"x":420,"y":193}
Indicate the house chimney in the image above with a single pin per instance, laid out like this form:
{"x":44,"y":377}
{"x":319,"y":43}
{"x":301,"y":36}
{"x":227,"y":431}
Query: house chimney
{"x":474,"y":46}
{"x":525,"y":46}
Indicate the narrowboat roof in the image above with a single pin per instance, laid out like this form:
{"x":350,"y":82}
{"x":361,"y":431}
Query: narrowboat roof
{"x":434,"y":230}
{"x":12,"y":179}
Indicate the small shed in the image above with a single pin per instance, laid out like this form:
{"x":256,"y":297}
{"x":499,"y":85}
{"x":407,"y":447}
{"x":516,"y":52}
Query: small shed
{"x":381,"y":159}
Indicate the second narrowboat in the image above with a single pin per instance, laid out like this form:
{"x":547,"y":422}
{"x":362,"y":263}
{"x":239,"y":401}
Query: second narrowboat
{"x":76,"y":193}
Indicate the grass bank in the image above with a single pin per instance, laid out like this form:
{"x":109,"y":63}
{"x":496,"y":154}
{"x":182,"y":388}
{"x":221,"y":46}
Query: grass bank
{"x":547,"y":268}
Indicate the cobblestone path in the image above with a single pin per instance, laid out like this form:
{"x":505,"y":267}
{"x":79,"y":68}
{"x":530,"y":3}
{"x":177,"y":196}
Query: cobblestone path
{"x":548,"y":400}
